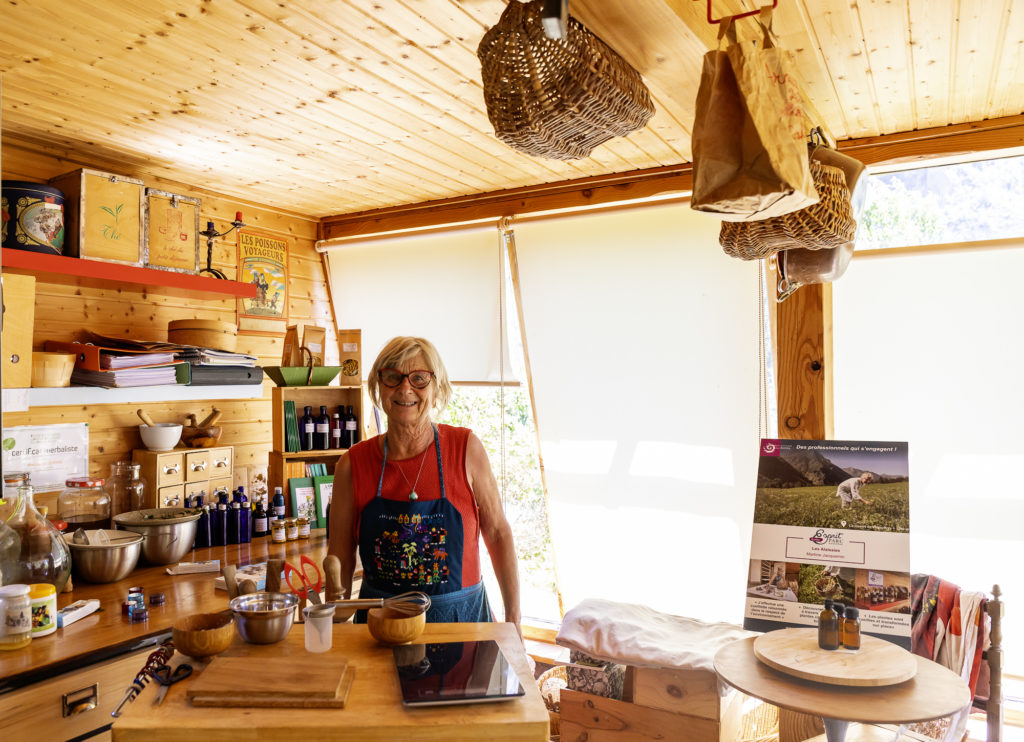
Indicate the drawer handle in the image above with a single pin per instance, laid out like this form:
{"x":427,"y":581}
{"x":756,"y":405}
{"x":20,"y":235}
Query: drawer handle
{"x":15,"y":358}
{"x":172,"y":469}
{"x":81,"y":700}
{"x":171,"y":502}
{"x":220,"y":463}
{"x":199,"y":466}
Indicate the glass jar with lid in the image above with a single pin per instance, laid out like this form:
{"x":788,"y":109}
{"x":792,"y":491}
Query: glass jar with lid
{"x":84,"y":503}
{"x":44,"y":556}
{"x":16,"y":615}
{"x":125,"y":486}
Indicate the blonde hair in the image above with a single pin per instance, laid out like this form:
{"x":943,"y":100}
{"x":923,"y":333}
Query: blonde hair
{"x":867,"y":477}
{"x":400,"y":349}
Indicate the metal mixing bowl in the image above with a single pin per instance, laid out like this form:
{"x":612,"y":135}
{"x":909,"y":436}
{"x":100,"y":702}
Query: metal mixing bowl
{"x":111,"y":562}
{"x":169,"y":532}
{"x":264,"y":618}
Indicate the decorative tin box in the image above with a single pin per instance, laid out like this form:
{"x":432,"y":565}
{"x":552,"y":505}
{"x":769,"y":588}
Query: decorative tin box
{"x":103,"y":215}
{"x":33,"y":217}
{"x":171,"y":226}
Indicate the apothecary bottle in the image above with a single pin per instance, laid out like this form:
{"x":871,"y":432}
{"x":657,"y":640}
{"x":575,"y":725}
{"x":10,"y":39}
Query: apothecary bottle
{"x":851,"y":629}
{"x":127,"y":490}
{"x":44,"y":556}
{"x":828,"y":627}
{"x":84,"y":503}
{"x":9,"y":503}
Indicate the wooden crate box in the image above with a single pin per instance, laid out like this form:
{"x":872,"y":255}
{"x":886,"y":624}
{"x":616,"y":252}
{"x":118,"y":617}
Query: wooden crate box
{"x":171,"y":228}
{"x":103,"y":216}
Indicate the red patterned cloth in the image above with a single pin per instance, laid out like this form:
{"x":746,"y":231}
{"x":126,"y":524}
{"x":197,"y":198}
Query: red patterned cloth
{"x":937,"y":623}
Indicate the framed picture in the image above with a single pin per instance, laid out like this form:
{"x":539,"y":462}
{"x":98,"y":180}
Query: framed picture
{"x":303,"y":497}
{"x":324,"y":486}
{"x":263,"y":261}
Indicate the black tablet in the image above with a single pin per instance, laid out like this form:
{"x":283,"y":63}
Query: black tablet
{"x":455,"y":672}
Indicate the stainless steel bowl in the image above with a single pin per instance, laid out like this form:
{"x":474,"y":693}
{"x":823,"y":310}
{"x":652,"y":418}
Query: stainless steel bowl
{"x":263,"y":618}
{"x":111,"y":562}
{"x":169,"y":532}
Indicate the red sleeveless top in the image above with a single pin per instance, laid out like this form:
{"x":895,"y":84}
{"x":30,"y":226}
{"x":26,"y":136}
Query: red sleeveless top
{"x":366,"y":460}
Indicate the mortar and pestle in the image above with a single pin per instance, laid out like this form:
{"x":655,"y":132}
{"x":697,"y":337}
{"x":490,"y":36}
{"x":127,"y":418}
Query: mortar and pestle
{"x":204,"y":434}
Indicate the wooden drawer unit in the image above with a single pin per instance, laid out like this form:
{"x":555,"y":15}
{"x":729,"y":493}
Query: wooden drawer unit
{"x":197,"y":465}
{"x":172,"y":477}
{"x":70,"y":705}
{"x":19,"y":304}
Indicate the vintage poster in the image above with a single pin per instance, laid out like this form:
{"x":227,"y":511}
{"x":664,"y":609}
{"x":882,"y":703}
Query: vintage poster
{"x":831,"y":520}
{"x":263,"y":261}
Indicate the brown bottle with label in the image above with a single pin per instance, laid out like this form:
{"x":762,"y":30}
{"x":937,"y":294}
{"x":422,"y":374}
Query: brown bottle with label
{"x":828,"y":627}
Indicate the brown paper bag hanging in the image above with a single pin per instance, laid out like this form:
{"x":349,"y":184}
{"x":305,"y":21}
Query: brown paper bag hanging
{"x":749,"y":156}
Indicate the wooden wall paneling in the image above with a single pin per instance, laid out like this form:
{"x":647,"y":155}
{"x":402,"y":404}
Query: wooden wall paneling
{"x":800,"y":369}
{"x":1006,"y":87}
{"x":64,"y":310}
{"x":933,"y":32}
{"x":888,"y":60}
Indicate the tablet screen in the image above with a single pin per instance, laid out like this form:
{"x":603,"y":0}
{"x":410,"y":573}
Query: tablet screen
{"x":455,"y":672}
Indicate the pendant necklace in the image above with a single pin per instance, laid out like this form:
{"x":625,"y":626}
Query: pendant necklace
{"x":412,"y":487}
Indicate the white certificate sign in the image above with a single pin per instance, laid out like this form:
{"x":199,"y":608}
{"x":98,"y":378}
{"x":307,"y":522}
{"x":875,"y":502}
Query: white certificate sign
{"x":831,"y":520}
{"x":49,"y":453}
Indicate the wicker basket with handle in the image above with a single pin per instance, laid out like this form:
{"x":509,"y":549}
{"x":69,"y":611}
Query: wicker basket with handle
{"x":557,"y":98}
{"x":828,"y":223}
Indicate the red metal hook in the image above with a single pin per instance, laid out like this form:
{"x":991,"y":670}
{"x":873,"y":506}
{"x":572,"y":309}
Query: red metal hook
{"x":775,"y":4}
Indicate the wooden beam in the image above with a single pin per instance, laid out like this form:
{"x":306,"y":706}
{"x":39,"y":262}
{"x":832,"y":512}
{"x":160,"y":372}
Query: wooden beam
{"x":803,"y":364}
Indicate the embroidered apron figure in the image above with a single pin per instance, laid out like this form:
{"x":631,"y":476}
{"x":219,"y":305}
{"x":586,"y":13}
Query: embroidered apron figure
{"x":417,"y":545}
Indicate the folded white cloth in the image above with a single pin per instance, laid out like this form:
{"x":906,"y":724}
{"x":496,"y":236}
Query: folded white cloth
{"x":638,"y":635}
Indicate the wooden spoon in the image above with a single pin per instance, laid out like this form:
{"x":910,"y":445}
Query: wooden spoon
{"x":144,"y":416}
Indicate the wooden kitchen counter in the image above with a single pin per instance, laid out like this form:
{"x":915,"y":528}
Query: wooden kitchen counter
{"x":107,"y":633}
{"x":373,"y":711}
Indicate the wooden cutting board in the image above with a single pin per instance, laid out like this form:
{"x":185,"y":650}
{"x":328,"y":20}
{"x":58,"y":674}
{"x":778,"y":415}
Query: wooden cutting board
{"x":796,"y":652}
{"x":253,"y":680}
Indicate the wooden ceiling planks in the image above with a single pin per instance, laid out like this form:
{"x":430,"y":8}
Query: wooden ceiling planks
{"x":322,"y":107}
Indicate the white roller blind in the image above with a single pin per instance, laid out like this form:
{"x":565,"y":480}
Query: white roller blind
{"x":643,"y":345}
{"x":443,"y":287}
{"x":927,"y":350}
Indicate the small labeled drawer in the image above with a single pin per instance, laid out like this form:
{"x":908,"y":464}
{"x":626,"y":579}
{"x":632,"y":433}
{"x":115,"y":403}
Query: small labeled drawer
{"x":171,"y":497}
{"x":197,"y":465}
{"x":220,"y":462}
{"x":199,"y":489}
{"x":219,"y":486}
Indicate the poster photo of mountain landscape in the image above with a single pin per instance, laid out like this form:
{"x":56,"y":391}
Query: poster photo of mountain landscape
{"x":855,"y":485}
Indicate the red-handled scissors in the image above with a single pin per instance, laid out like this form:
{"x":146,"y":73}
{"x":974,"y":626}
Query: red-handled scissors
{"x":307,"y":587}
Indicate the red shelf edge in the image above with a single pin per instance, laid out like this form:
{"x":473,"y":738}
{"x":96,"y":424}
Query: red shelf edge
{"x":120,"y":273}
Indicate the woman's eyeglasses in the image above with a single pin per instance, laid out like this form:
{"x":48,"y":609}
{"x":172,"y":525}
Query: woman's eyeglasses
{"x":392,"y":377}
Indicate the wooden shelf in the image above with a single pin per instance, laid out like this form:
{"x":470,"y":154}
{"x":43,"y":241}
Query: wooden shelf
{"x":19,"y":400}
{"x":96,"y":273}
{"x":313,"y":454}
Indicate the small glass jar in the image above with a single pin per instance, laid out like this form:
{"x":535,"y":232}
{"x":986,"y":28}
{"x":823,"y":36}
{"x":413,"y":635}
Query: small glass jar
{"x":10,"y":501}
{"x":851,"y":628}
{"x":291,"y":529}
{"x":302,"y":523}
{"x":126,"y":488}
{"x":43,"y":598}
{"x":277,"y":532}
{"x":16,"y":615}
{"x":84,"y":504}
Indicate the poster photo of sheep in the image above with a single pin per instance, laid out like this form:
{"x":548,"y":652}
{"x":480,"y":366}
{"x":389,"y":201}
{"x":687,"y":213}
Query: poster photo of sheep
{"x":831,"y":520}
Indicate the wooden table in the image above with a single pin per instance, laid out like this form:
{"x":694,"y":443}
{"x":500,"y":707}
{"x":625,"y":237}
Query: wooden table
{"x":374,"y":709}
{"x":932,"y":693}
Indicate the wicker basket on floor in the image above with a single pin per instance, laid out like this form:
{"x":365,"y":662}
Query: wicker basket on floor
{"x":828,"y":223}
{"x":557,"y":98}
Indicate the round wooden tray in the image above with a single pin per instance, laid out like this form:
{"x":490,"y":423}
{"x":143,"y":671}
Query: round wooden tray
{"x":796,"y":652}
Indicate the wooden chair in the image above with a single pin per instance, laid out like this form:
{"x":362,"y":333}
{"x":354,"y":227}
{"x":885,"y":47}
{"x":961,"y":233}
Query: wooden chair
{"x":796,"y":727}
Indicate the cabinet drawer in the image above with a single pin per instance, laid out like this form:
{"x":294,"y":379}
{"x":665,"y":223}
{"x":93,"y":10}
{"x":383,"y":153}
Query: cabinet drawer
{"x":168,"y":468}
{"x":197,"y":465}
{"x":37,"y":712}
{"x":220,"y":485}
{"x":19,"y":296}
{"x":220,"y":462}
{"x":171,"y":497}
{"x":199,"y":489}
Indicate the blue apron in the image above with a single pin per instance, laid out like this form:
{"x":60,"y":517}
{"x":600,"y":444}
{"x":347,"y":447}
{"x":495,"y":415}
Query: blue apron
{"x":417,"y":545}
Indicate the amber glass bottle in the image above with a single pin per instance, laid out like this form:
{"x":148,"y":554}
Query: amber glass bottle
{"x":828,"y":627}
{"x":851,"y":629}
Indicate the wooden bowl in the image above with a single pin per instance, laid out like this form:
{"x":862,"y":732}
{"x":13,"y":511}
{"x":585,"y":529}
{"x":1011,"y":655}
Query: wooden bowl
{"x":200,"y":437}
{"x":391,"y":627}
{"x":203,"y":634}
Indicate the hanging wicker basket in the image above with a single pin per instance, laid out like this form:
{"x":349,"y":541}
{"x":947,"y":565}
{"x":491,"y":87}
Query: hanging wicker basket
{"x":828,"y":223}
{"x":557,"y":98}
